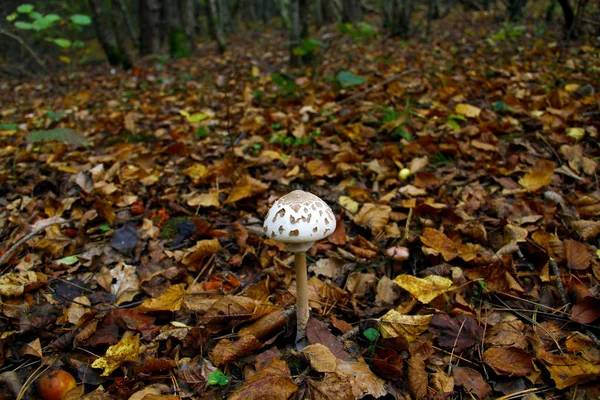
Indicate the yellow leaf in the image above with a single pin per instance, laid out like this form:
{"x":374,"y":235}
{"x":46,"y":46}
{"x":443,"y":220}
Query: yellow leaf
{"x":17,"y":283}
{"x":196,"y":172}
{"x":467,"y":110}
{"x":424,"y":289}
{"x":538,"y":176}
{"x":349,"y":204}
{"x":65,"y":59}
{"x":126,"y":349}
{"x":210,"y":199}
{"x":202,"y":249}
{"x":576,"y":133}
{"x":170,"y":300}
{"x":440,"y":243}
{"x":246,"y":187}
{"x":409,"y":327}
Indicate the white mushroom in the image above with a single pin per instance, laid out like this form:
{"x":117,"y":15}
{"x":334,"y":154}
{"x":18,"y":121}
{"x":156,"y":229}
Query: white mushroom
{"x":299,"y":219}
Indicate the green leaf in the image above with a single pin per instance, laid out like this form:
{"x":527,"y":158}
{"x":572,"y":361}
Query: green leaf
{"x":24,"y":25}
{"x":104,"y":228}
{"x":70,"y":260}
{"x":65,"y":135}
{"x":371,"y":334}
{"x":80,"y":19}
{"x":64,"y":43}
{"x":12,"y":17}
{"x":35,"y":15}
{"x":500,"y":106}
{"x":8,"y":127}
{"x":457,"y":117}
{"x":193,"y":117}
{"x":201,"y":133}
{"x":25,"y":8}
{"x":217,"y":378}
{"x":349,"y":78}
{"x":453,"y":124}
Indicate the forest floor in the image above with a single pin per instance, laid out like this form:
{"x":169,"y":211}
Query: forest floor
{"x":462,"y":169}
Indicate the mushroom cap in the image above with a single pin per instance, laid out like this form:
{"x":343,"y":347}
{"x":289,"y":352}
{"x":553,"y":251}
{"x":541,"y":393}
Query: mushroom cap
{"x":300,"y":219}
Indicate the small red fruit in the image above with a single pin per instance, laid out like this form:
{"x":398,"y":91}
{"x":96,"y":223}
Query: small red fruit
{"x":137,"y":208}
{"x":56,"y":384}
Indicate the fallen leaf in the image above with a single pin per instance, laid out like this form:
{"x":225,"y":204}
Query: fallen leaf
{"x":471,"y":380}
{"x":170,"y":300}
{"x":320,"y":357}
{"x":244,"y":188}
{"x":16,"y":283}
{"x":417,"y":377}
{"x":271,"y":383}
{"x":458,"y":333}
{"x":409,"y":327}
{"x":509,"y":361}
{"x":127,"y":349}
{"x":467,"y":110}
{"x":440,"y":243}
{"x":424,"y":289}
{"x":373,"y":216}
{"x":577,"y":255}
{"x":538,"y":176}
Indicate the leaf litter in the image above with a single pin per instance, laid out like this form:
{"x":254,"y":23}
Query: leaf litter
{"x":467,"y":202}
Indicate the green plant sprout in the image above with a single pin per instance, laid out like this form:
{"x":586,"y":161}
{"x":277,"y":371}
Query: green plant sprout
{"x":451,"y":121}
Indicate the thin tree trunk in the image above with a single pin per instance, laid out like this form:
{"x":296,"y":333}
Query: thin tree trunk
{"x":124,"y":43}
{"x":295,"y":31}
{"x":149,"y":26}
{"x":187,"y":13}
{"x":104,"y":32}
{"x":214,"y":25}
{"x":120,"y":4}
{"x":351,"y":11}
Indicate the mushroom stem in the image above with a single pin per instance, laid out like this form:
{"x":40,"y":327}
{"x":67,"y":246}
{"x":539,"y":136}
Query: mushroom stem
{"x":302,"y":309}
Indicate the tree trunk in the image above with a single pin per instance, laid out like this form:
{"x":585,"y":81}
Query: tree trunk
{"x":149,"y":27}
{"x":295,"y":31}
{"x":351,"y":11}
{"x":570,"y":28}
{"x":400,"y":16}
{"x":124,"y":43}
{"x":105,"y":33}
{"x":267,"y":5}
{"x":187,"y":13}
{"x":516,"y":9}
{"x":214,"y":24}
{"x":550,"y":11}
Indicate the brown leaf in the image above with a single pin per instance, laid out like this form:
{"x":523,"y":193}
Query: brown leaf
{"x":442,"y":384}
{"x":587,"y":229}
{"x":417,"y":377}
{"x":388,"y":363}
{"x":577,"y":255}
{"x":319,"y":168}
{"x":458,"y":333}
{"x":471,"y":380}
{"x":170,"y":300}
{"x":332,"y":387}
{"x":362,"y":381}
{"x":586,"y":311}
{"x":226,"y":351}
{"x":320,"y":357}
{"x":246,"y":187}
{"x":318,"y":333}
{"x":373,"y":216}
{"x":271,"y":383}
{"x":16,"y":283}
{"x":538,"y":176}
{"x":508,"y":334}
{"x":467,"y":110}
{"x":509,"y":361}
{"x":440,"y":243}
{"x":203,"y":248}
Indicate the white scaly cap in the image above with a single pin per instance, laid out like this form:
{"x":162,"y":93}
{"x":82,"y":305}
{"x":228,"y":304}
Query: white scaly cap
{"x":299,"y":219}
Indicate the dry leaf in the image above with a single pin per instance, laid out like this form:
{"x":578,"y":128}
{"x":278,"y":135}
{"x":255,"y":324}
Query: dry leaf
{"x":320,"y":357}
{"x":244,"y":188}
{"x":538,"y":176}
{"x":467,"y":110}
{"x":271,"y":383}
{"x":373,"y":216}
{"x":126,"y":350}
{"x":440,"y":243}
{"x":16,"y":283}
{"x":424,"y":289}
{"x":210,"y":199}
{"x":409,"y":327}
{"x":577,"y":255}
{"x":510,"y":361}
{"x":170,"y":300}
